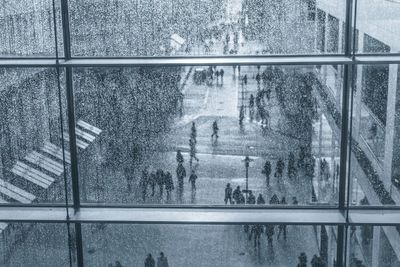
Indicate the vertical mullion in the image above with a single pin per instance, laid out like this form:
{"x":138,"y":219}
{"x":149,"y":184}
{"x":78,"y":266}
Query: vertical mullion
{"x":71,"y":130}
{"x":345,"y":138}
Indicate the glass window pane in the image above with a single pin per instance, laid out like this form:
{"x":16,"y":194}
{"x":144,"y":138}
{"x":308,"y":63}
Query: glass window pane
{"x":375,"y":156}
{"x":285,"y":118}
{"x":209,"y":245}
{"x":378,"y":24}
{"x":34,"y":244}
{"x":158,"y":28}
{"x":374,"y":246}
{"x":27,"y":28}
{"x":31,"y":156}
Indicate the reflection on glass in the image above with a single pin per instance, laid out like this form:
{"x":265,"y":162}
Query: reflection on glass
{"x":192,"y":27}
{"x":209,"y":245}
{"x":373,"y":246}
{"x":27,"y":244}
{"x":180,"y":135}
{"x":31,"y":166}
{"x":375,"y":136}
{"x":27,"y":28}
{"x":373,"y":18}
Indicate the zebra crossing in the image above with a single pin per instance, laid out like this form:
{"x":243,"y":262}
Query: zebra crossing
{"x":44,"y":166}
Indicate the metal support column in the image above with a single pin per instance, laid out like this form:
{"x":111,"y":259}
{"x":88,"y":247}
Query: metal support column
{"x":71,"y":130}
{"x":345,"y":141}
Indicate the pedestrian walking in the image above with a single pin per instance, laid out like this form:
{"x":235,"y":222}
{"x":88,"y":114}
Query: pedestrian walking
{"x":179,"y":156}
{"x":269,"y":232}
{"x":245,"y":79}
{"x":260,"y":200}
{"x":192,"y":145}
{"x":180,"y":174}
{"x":217,"y":75}
{"x":280,"y":165}
{"x":274,"y":200}
{"x":160,"y":181}
{"x":149,"y":262}
{"x":241,"y":199}
{"x":258,"y":78}
{"x":152,"y":182}
{"x":162,"y":261}
{"x":215,"y":131}
{"x":241,"y":115}
{"x":255,"y":232}
{"x":294,"y":201}
{"x":236,"y":194}
{"x":193,"y":132}
{"x":192,"y":180}
{"x":267,"y":171}
{"x":221,"y":72}
{"x":302,"y":260}
{"x":228,"y":194}
{"x":291,"y":166}
{"x":169,"y":185}
{"x":251,"y":107}
{"x":251,"y":199}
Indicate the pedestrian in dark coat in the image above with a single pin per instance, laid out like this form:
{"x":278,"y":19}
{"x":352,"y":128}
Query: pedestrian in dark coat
{"x":228,"y":194}
{"x":160,"y":180}
{"x":162,"y":261}
{"x":180,"y":174}
{"x":269,"y":232}
{"x":149,"y":262}
{"x":274,"y":200}
{"x":251,"y":199}
{"x":192,"y":180}
{"x":152,"y":182}
{"x":222,"y":75}
{"x":236,"y":194}
{"x":260,"y":200}
{"x":169,"y":184}
{"x":179,"y":156}
{"x":267,"y":171}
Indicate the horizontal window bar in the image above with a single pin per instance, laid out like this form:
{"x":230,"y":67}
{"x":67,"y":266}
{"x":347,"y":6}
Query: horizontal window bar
{"x":200,"y":216}
{"x":198,"y":61}
{"x":378,"y":59}
{"x":173,"y":216}
{"x":27,"y":62}
{"x":177,"y":61}
{"x":206,"y":61}
{"x":380,"y":217}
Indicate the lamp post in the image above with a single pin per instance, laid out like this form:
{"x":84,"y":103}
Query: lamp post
{"x":247,"y":161}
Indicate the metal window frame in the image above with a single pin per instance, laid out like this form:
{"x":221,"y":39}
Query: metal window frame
{"x":342,"y":216}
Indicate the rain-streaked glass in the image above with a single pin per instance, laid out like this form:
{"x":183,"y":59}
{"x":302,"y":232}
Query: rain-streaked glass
{"x":35,"y":244}
{"x":31,"y":155}
{"x":285,"y":115}
{"x":378,"y":24}
{"x":192,"y":27}
{"x":209,"y":245}
{"x":373,"y":245}
{"x":375,"y":172}
{"x":27,"y":28}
